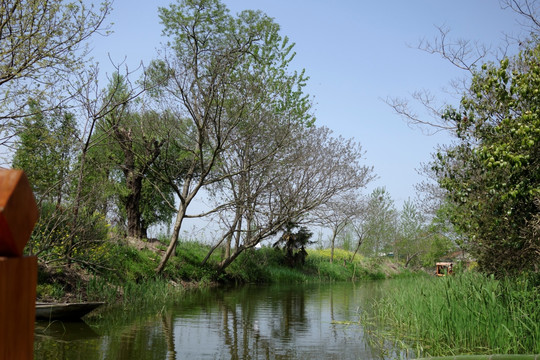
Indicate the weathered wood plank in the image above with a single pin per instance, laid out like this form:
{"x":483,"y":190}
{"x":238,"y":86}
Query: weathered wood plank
{"x":18,"y":277}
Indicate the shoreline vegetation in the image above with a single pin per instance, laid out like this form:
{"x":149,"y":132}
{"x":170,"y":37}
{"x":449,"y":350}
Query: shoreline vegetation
{"x":126,"y":274}
{"x":465,"y":314}
{"x":468,"y":313}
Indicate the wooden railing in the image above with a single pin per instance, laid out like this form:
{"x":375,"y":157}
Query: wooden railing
{"x":18,"y":273}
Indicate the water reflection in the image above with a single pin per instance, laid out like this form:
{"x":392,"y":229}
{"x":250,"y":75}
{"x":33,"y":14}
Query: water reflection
{"x":252,"y":322}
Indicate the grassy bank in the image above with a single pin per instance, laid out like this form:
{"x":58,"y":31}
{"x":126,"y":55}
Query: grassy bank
{"x":127,"y":275}
{"x":267,"y":265}
{"x":464,"y":314}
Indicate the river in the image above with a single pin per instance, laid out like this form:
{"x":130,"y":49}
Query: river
{"x":315,"y":321}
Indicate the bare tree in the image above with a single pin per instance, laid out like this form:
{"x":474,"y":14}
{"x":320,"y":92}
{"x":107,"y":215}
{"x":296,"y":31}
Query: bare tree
{"x":42,"y":45}
{"x":466,"y":55}
{"x":311,"y":171}
{"x":338,"y":213}
{"x":249,"y":162}
{"x":528,"y":9}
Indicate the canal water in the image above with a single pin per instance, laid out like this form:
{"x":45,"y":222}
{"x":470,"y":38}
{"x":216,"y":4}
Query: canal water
{"x":320,"y":321}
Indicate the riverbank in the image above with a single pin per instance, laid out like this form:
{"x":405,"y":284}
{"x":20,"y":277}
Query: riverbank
{"x":126,"y":273}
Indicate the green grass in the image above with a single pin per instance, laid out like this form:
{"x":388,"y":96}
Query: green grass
{"x":464,"y":314}
{"x":266,"y":265}
{"x":128,"y":274}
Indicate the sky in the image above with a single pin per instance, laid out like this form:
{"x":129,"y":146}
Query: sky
{"x":357,"y":53}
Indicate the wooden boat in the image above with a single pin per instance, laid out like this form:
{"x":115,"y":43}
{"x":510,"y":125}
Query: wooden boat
{"x":64,"y":311}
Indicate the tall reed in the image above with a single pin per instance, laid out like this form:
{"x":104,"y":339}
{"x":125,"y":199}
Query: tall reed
{"x":463,"y":314}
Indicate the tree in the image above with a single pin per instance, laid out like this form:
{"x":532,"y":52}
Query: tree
{"x":42,"y":44}
{"x":311,"y":171}
{"x":45,"y":151}
{"x":337,"y":214}
{"x":380,"y":223}
{"x":294,"y":244}
{"x":92,"y":104}
{"x":492,"y":174}
{"x":411,"y":239}
{"x":213,"y":65}
{"x":248,"y":167}
{"x":495,"y":126}
{"x":133,"y":141}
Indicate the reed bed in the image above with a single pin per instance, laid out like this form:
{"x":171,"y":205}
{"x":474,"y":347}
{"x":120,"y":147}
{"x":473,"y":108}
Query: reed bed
{"x":463,"y":314}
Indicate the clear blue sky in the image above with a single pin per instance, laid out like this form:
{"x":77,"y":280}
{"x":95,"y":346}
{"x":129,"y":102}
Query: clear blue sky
{"x":356,"y":53}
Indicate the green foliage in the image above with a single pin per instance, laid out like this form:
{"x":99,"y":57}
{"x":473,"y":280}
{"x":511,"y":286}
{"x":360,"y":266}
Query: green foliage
{"x":342,"y":269}
{"x":122,"y":163}
{"x":329,"y":271}
{"x":49,"y":291}
{"x":379,"y":225}
{"x":294,"y":244}
{"x":346,"y":239}
{"x":493,"y":174}
{"x":55,"y":229}
{"x":267,"y":265}
{"x":256,"y":266}
{"x":99,"y":289}
{"x":411,"y":239}
{"x":466,"y":313}
{"x":421,"y":244}
{"x":45,"y":151}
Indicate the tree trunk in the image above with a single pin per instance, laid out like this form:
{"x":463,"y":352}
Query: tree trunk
{"x":144,"y":230}
{"x":228,"y":236}
{"x":228,"y":247}
{"x":332,"y":242}
{"x":410,"y":257}
{"x":174,"y":239}
{"x":227,"y":261}
{"x":133,"y":212}
{"x":360,"y":241}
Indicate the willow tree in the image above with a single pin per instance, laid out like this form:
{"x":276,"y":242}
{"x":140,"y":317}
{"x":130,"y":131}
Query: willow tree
{"x":129,"y":139}
{"x":213,"y":65}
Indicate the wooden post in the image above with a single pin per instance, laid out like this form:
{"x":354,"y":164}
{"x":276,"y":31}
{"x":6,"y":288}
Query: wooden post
{"x":18,"y":274}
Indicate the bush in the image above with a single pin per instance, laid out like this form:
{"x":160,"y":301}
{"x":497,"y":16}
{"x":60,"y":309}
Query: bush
{"x":57,"y":238}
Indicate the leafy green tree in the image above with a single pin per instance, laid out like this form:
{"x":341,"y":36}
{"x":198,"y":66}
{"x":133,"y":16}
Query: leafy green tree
{"x":492,"y":174}
{"x":411,"y":239}
{"x":127,"y":145}
{"x":379,"y":224}
{"x":45,"y":150}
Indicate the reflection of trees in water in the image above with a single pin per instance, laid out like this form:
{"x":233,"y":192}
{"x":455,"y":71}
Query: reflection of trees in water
{"x":241,"y":332}
{"x":290,"y":314}
{"x":248,"y":334}
{"x":136,"y":341}
{"x":167,"y":321}
{"x":253,"y":322}
{"x":140,"y":341}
